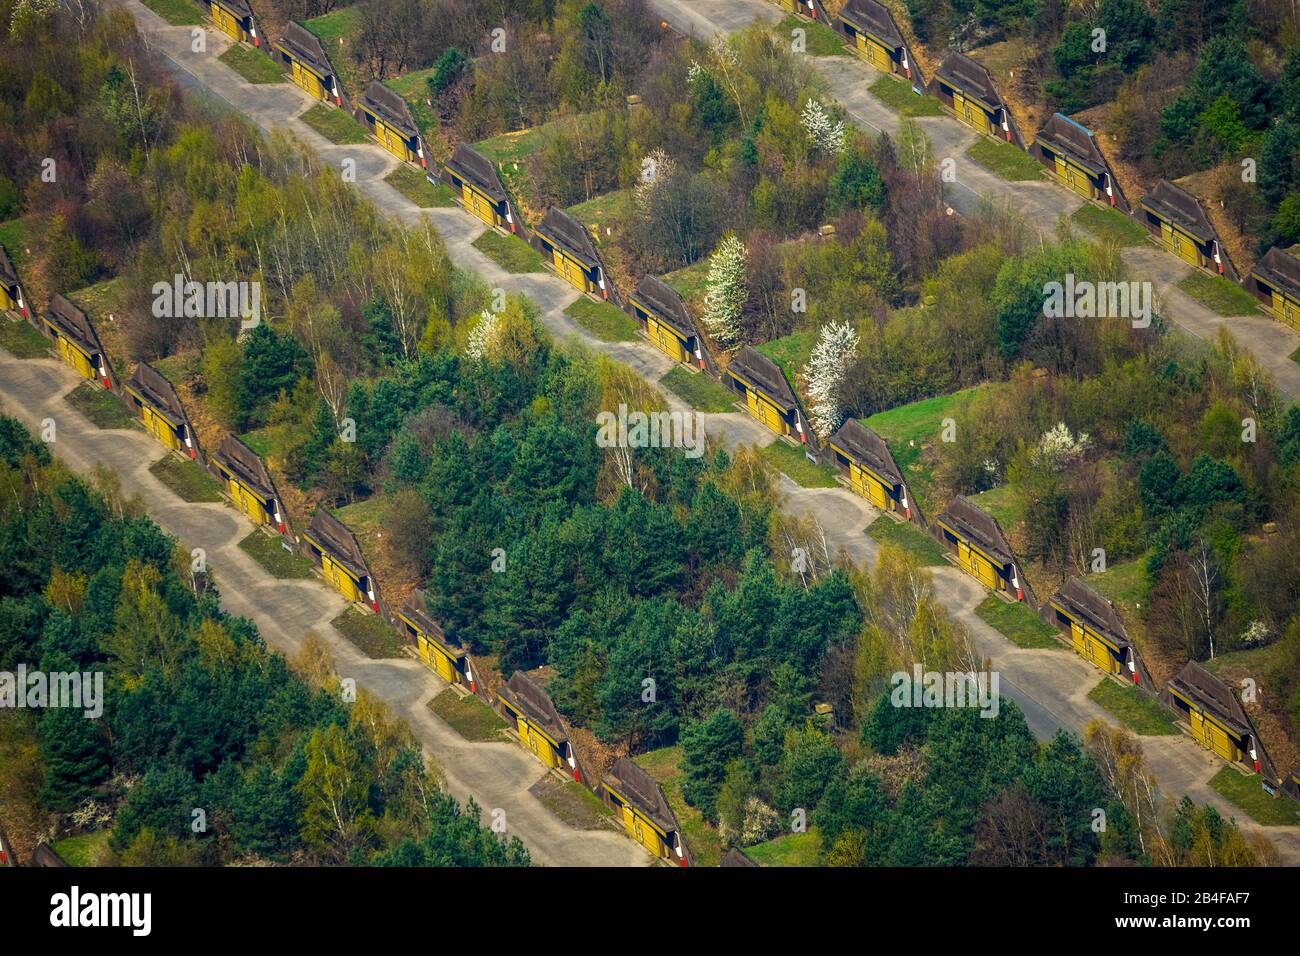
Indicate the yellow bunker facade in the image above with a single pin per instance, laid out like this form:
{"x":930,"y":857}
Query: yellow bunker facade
{"x":439,"y":653}
{"x":336,"y":552}
{"x":1176,"y":219}
{"x":666,"y":322}
{"x":975,"y":539}
{"x":389,"y":120}
{"x":1214,"y":716}
{"x":154,"y":401}
{"x":1096,"y":632}
{"x":768,"y":396}
{"x":1275,"y":281}
{"x":566,"y":246}
{"x":1069,"y":152}
{"x":639,"y":805}
{"x":528,"y":709}
{"x":478,"y":187}
{"x":865,"y":459}
{"x":245,"y":479}
{"x":874,"y":35}
{"x":966,"y":89}
{"x":305,"y":60}
{"x":235,"y":19}
{"x":76,"y":342}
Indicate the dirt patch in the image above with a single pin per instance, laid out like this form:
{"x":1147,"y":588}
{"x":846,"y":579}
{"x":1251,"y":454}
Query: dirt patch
{"x":572,"y":803}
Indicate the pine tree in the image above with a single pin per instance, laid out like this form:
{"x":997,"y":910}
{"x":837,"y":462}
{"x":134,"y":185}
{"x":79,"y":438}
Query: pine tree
{"x":825,"y":374}
{"x":726,"y":290}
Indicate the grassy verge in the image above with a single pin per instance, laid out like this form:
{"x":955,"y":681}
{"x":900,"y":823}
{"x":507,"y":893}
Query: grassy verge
{"x":1009,"y":162}
{"x":177,"y":12}
{"x":791,"y":849}
{"x":369,"y":633}
{"x":85,"y":849}
{"x":22,"y":341}
{"x":1220,"y":295}
{"x":899,"y":97}
{"x":1021,"y":626}
{"x":791,"y":352}
{"x":820,"y":39}
{"x":509,"y":252}
{"x":414,"y":186}
{"x":1110,"y":225}
{"x":186,"y":478}
{"x":699,"y":390}
{"x":1137,"y":711}
{"x":689,"y":281}
{"x":267,"y":551}
{"x":468,"y":716}
{"x":699,"y":834}
{"x":1004,"y":503}
{"x":572,"y":803}
{"x":253,"y":65}
{"x":607,"y":211}
{"x":796,"y":466}
{"x":1247,"y":794}
{"x":335,"y":125}
{"x":910,"y":538}
{"x":13,"y":236}
{"x":99,"y":407}
{"x":607,"y":322}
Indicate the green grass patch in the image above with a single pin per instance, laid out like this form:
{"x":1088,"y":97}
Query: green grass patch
{"x":512,"y":147}
{"x":268,"y":441}
{"x":795,"y":465}
{"x":13,"y":236}
{"x":369,"y":633}
{"x":335,"y":125}
{"x":607,"y":322}
{"x":609,"y":211}
{"x":99,"y":407}
{"x":571,"y":803}
{"x":365,"y":519}
{"x":1139,"y":712}
{"x":820,"y":39}
{"x":1247,"y":794}
{"x":411,"y":85}
{"x":253,"y":65}
{"x":911,"y":429}
{"x":334,"y":26}
{"x":85,"y":849}
{"x":899,"y":96}
{"x":1020,"y":625}
{"x":101,"y":300}
{"x":1009,"y":162}
{"x":186,"y":478}
{"x":468,"y":716}
{"x":1295,"y":356}
{"x":177,"y":12}
{"x":689,"y":281}
{"x":1110,"y":225}
{"x":699,"y":390}
{"x":268,"y":551}
{"x":1220,"y":295}
{"x":910,"y":538}
{"x":413,"y":184}
{"x":1125,"y":584}
{"x":791,"y":849}
{"x":1004,"y":503}
{"x":702,"y":838}
{"x":19,"y":339}
{"x":791,"y":352}
{"x":509,"y":252}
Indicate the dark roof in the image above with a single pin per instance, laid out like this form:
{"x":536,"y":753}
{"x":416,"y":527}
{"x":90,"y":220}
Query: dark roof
{"x":565,"y":231}
{"x":643,"y":792}
{"x":735,"y":857}
{"x":868,"y":448}
{"x":534,"y":703}
{"x":665,"y":303}
{"x":1177,"y":205}
{"x":8,"y":274}
{"x":73,"y":323}
{"x":239,"y":7}
{"x":153,"y":385}
{"x":332,"y":533}
{"x":1083,"y":602}
{"x":970,"y":76}
{"x":306,"y":46}
{"x":417,"y":610}
{"x":246,"y":464}
{"x":390,"y":107}
{"x":469,"y":164}
{"x":874,"y":18}
{"x":1280,"y":268}
{"x":978,"y":526}
{"x":1214,"y":695}
{"x":1066,"y":137}
{"x":766,"y":374}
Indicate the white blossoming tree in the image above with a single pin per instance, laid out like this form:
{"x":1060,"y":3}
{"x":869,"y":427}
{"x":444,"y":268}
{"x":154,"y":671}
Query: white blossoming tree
{"x":657,"y":167}
{"x":483,"y":335}
{"x":1058,"y":447}
{"x":827,"y":135}
{"x":825,"y":373}
{"x":725,"y":291}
